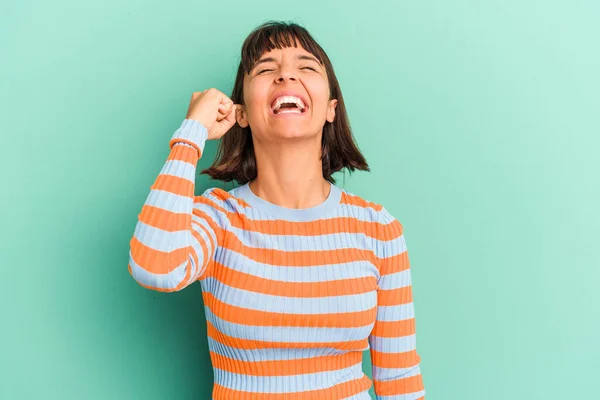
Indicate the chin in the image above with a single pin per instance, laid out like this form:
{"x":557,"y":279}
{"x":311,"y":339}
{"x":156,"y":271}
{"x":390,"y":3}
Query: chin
{"x":291,"y":132}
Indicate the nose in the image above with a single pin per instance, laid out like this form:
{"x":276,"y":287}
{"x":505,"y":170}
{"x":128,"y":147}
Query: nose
{"x":286,"y":74}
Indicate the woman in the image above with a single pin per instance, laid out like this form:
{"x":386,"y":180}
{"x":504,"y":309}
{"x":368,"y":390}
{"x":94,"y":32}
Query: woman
{"x":298,"y":276}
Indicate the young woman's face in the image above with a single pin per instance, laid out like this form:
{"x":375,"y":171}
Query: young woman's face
{"x":291,"y":71}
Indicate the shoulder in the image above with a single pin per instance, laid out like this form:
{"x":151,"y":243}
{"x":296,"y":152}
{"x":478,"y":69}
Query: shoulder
{"x":219,"y":199}
{"x":389,"y":224}
{"x":373,"y":212}
{"x":360,"y":207}
{"x":214,"y":203}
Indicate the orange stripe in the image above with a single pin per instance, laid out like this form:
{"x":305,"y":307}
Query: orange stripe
{"x":209,"y":220}
{"x":224,"y":195}
{"x":155,"y":261}
{"x":269,"y":256}
{"x":286,"y":367}
{"x":246,"y":316}
{"x":164,"y":219}
{"x":391,"y":230}
{"x":339,"y":391}
{"x":407,"y":385}
{"x":395,"y":297}
{"x":300,"y":228}
{"x":357,"y":201}
{"x":208,"y":202}
{"x":273,"y":256}
{"x":405,"y":359}
{"x":174,"y":184}
{"x":397,"y":263}
{"x":300,"y":258}
{"x":346,"y":198}
{"x":392,"y":329}
{"x":240,"y":343}
{"x":184,"y":153}
{"x":252,"y":283}
{"x":190,"y":142}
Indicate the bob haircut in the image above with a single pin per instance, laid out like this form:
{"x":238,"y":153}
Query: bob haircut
{"x":235,"y":159}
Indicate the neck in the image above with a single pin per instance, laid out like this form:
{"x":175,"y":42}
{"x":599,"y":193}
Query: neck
{"x":290,"y":175}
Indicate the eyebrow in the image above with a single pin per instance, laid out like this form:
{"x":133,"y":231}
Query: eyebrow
{"x":299,"y":57}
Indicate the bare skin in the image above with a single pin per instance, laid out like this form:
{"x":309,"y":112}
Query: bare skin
{"x":287,"y":146}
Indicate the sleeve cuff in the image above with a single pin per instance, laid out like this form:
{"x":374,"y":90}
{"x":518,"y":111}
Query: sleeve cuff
{"x":191,"y":132}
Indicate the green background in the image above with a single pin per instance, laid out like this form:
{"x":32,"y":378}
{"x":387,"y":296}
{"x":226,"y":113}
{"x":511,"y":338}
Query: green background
{"x":479,"y":119}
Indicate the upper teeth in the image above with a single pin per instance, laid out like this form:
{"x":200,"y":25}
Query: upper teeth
{"x":288,"y":99}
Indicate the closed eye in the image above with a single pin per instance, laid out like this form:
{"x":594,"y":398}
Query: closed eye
{"x":265,"y":70}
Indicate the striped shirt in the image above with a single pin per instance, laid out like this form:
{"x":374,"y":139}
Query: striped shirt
{"x":292,"y":297}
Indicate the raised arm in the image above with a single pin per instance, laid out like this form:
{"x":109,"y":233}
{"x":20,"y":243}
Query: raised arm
{"x":395,"y":362}
{"x":175,"y":238}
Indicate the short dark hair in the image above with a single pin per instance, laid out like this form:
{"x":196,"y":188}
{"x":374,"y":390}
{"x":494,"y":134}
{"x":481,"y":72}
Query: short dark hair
{"x":235,"y":158}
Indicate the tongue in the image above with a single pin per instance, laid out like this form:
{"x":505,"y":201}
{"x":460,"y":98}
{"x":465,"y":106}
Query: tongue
{"x":287,"y":106}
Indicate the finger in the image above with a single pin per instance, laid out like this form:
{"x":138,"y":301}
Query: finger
{"x":230,"y":119}
{"x":225,"y":107}
{"x":224,"y":110}
{"x":221,"y":116}
{"x":232,"y":116}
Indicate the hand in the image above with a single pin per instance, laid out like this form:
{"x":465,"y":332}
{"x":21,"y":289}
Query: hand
{"x":213,"y":109}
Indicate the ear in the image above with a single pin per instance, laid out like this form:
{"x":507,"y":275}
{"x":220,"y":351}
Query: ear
{"x":241,"y":116}
{"x":331,"y":110}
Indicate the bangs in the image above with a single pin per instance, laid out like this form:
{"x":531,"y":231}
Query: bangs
{"x":277,"y":35}
{"x":236,"y":158}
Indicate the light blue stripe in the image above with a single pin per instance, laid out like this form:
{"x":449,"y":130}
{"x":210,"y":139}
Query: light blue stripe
{"x":361,"y":214}
{"x":162,"y":240}
{"x":409,"y":396}
{"x":163,"y":281}
{"x":317,"y":241}
{"x":385,"y":217}
{"x":389,"y":374}
{"x":169,"y":201}
{"x":178,"y":168}
{"x":193,"y":131}
{"x":392,"y":247}
{"x":360,"y":396}
{"x":398,"y":344}
{"x":205,"y":223}
{"x":355,"y":211}
{"x":400,"y":312}
{"x":395,"y":280}
{"x":292,"y":214}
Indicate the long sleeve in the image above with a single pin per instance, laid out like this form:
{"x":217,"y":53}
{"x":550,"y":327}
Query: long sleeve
{"x":395,"y":362}
{"x":176,"y":234}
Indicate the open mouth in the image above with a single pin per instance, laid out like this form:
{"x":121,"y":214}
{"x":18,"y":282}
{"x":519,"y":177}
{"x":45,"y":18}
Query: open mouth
{"x":288,"y":105}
